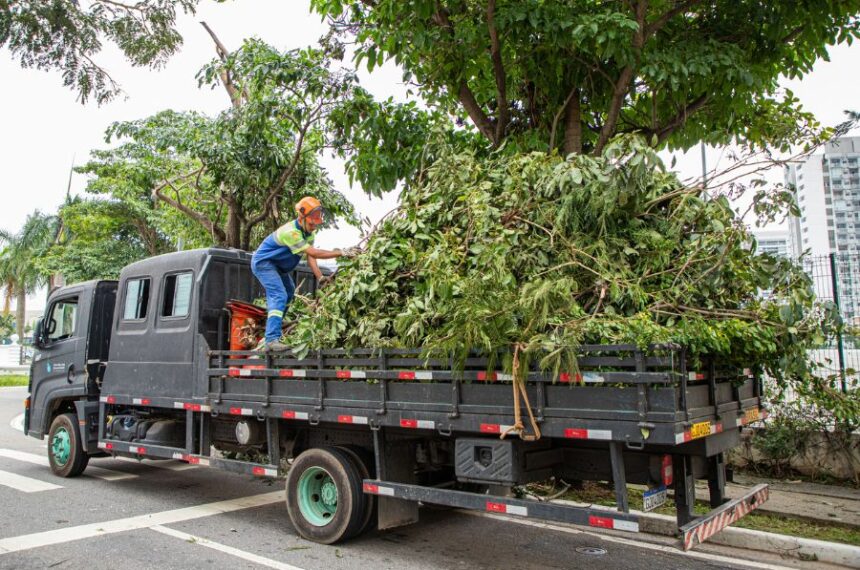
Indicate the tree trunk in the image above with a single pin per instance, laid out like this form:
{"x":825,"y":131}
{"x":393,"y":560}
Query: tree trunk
{"x":573,"y":126}
{"x":234,"y":226}
{"x":20,"y":312}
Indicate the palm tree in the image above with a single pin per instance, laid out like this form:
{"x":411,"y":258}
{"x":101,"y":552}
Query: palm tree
{"x":20,"y":271}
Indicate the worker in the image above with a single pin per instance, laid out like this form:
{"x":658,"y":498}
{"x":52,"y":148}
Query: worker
{"x":278,"y":256}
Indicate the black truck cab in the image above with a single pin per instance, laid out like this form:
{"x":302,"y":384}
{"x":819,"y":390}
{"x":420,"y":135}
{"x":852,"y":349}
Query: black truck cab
{"x":150,"y":332}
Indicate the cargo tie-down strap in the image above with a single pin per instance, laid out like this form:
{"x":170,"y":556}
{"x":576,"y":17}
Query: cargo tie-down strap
{"x":519,"y":387}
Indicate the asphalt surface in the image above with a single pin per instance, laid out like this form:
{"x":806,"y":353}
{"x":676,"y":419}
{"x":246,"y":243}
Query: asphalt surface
{"x":158,"y":517}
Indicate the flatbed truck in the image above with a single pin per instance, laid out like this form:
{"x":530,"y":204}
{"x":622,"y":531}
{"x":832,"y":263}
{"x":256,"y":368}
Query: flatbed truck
{"x":141,"y":367}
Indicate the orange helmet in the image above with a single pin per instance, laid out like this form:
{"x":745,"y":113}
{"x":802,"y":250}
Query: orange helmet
{"x":309,"y":209}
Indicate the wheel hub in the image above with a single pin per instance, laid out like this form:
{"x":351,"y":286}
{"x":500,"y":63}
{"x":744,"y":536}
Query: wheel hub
{"x":317,"y":493}
{"x":61,"y":447}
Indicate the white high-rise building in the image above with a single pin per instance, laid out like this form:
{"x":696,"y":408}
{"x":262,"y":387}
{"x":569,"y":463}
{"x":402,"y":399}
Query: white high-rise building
{"x":827,"y":187}
{"x":775,"y":242}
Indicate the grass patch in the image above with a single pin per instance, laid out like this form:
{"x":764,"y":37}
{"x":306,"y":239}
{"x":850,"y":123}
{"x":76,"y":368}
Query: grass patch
{"x":14,"y":380}
{"x":604,"y":494}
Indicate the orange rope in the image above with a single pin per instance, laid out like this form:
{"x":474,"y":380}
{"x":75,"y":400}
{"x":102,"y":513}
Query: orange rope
{"x":519,"y":387}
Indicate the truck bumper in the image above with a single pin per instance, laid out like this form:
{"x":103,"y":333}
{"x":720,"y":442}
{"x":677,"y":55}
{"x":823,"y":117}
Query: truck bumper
{"x":701,"y":529}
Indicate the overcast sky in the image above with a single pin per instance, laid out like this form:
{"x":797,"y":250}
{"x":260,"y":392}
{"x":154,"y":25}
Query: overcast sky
{"x":45,"y":130}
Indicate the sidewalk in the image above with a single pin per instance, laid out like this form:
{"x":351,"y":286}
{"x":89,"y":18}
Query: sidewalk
{"x":809,"y":501}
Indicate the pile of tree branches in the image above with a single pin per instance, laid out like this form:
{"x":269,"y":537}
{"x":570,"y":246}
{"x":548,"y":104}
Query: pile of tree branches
{"x":540,"y":254}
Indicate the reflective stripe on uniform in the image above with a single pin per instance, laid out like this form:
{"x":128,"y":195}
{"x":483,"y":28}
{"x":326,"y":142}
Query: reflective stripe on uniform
{"x":291,"y":236}
{"x":274,"y":313}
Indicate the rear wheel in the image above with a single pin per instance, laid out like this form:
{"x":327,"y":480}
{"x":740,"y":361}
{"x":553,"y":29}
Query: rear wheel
{"x":324,"y":497}
{"x":363,"y":461}
{"x":66,"y":454}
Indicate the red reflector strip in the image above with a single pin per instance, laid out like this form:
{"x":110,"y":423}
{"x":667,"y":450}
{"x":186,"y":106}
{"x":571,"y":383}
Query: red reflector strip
{"x":495,"y":428}
{"x":507,"y":509}
{"x":352,"y":419}
{"x":108,"y":399}
{"x":406,"y":375}
{"x":350,"y":374}
{"x":191,"y":407}
{"x":486,"y":377}
{"x":241,"y":412}
{"x":195,"y":460}
{"x":419,"y":424}
{"x":579,"y":433}
{"x":140,"y":401}
{"x":136,"y":449}
{"x":601,"y":522}
{"x":233,"y":372}
{"x":264,"y":472}
{"x":668,"y":474}
{"x":377,"y":489}
{"x":292,"y":374}
{"x":696,"y":376}
{"x":292,"y":415}
{"x":576,"y":433}
{"x":564,"y":378}
{"x":617,"y":524}
{"x":105,"y":445}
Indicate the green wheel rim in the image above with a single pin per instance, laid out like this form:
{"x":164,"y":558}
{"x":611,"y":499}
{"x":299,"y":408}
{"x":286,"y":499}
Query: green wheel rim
{"x":61,"y":446}
{"x":317,"y":496}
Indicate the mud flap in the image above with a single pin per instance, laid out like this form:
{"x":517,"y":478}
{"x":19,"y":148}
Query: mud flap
{"x":88,"y":416}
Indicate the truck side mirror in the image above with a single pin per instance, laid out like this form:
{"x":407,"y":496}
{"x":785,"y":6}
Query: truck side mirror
{"x":38,"y":334}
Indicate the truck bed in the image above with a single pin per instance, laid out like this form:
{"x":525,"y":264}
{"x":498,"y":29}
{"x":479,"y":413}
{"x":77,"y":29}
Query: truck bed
{"x":621,"y":393}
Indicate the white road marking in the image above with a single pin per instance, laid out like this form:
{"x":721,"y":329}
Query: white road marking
{"x":166,"y":464}
{"x":732,"y":562}
{"x":17,"y":422}
{"x":92,"y":470}
{"x":26,"y":484}
{"x":260,"y":560}
{"x":63,"y":535}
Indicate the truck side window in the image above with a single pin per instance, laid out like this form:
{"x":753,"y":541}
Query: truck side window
{"x":136,"y":299}
{"x":177,"y":295}
{"x":64,"y":317}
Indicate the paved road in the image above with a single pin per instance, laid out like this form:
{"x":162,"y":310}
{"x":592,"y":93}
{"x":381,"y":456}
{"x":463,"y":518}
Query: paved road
{"x":127,"y":514}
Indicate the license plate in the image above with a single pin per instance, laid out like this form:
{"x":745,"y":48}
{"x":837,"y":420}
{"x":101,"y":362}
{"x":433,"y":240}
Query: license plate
{"x":701,"y":429}
{"x":752,"y":415}
{"x":654,"y":498}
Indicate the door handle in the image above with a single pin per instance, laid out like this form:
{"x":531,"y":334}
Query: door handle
{"x":70,"y":376}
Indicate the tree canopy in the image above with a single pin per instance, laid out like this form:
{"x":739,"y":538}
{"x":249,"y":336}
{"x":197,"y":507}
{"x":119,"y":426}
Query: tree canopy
{"x":67,"y":35}
{"x":570,"y":75}
{"x":238,"y":175}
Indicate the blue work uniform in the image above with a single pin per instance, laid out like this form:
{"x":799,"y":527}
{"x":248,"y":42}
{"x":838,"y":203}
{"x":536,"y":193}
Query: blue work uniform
{"x":272,"y":264}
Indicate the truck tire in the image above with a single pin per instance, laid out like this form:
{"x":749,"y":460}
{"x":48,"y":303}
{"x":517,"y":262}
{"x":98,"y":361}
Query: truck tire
{"x":66,"y":454}
{"x":325,"y":501}
{"x":363,"y":461}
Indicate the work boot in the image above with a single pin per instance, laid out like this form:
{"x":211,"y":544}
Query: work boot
{"x":276,"y":346}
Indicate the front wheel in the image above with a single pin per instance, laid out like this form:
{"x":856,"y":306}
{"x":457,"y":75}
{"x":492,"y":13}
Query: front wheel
{"x":66,"y":454}
{"x":325,"y":500}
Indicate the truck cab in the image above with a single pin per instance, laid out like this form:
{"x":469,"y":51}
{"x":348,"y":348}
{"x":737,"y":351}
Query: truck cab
{"x":150,"y":332}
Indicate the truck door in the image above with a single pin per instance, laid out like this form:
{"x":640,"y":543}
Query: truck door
{"x":59,"y":365}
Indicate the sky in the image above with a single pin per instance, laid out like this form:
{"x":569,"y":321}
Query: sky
{"x":45,"y":130}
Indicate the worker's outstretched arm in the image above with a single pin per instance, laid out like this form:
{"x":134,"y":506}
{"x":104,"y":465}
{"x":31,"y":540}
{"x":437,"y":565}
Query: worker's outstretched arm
{"x":312,"y":263}
{"x":316,"y":253}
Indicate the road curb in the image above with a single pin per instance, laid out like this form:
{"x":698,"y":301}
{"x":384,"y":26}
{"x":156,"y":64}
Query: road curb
{"x":801,"y":548}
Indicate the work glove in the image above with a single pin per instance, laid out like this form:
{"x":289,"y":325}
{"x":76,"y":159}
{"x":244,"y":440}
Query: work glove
{"x":351,"y":252}
{"x":324,"y":281}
